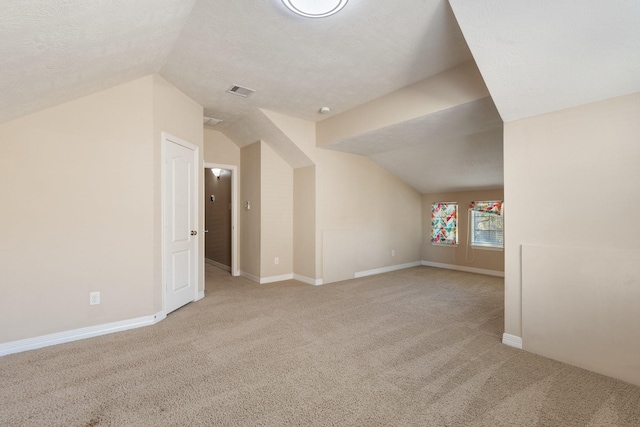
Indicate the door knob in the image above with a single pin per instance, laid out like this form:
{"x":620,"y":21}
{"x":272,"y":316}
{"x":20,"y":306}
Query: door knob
{"x":194,"y":232}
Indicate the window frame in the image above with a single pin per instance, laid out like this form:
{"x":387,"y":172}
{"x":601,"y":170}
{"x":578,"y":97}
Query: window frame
{"x":472,"y":231}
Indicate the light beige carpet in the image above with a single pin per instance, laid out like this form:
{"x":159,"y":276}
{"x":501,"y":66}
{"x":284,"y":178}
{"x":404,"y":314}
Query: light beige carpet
{"x":418,"y":347}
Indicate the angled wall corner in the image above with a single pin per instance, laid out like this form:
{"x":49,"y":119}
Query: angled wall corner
{"x":258,"y":126}
{"x":278,"y":179}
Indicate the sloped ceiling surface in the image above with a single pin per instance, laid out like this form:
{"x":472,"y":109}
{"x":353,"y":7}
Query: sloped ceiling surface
{"x":462,"y":120}
{"x":243,"y":133}
{"x":298,"y":65}
{"x":535,"y":57}
{"x":52,"y":51}
{"x":457,"y":149}
{"x":543,"y":56}
{"x":462,"y":163}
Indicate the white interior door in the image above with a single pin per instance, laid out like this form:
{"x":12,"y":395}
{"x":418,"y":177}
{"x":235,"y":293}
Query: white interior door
{"x":180,"y":225}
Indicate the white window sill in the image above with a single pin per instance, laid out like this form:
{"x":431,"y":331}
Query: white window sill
{"x":487,"y":248}
{"x":444,"y":245}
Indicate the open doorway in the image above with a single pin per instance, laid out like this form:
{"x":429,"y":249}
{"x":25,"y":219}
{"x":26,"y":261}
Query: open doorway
{"x":220,"y":201}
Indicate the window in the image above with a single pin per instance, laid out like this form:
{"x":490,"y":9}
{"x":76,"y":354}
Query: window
{"x":486,"y":224}
{"x":444,"y":223}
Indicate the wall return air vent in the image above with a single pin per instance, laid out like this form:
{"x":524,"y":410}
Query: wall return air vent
{"x":240,"y":91}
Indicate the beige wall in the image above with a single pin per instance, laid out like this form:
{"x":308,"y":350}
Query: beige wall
{"x":266,"y":230}
{"x":77,"y":213}
{"x":220,"y":149}
{"x":250,"y":219}
{"x":304,"y":222}
{"x":572,"y":186}
{"x":180,"y":116}
{"x":363,"y":212}
{"x":217,"y":217}
{"x":374,"y":211}
{"x":478,"y":258}
{"x":276,"y":208}
{"x":80,"y":193}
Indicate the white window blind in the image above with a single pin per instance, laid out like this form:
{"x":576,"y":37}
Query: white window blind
{"x":487,"y":224}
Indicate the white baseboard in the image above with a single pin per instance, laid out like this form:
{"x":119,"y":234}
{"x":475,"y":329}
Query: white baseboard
{"x":386,"y":269}
{"x":250,"y":276}
{"x":512,"y":341}
{"x":78,"y":334}
{"x":217,"y":264}
{"x":463,"y":268}
{"x":273,"y":279}
{"x":307,"y":280}
{"x":200,"y":295}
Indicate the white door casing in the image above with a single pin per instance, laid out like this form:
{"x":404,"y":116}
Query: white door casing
{"x":180,"y":217}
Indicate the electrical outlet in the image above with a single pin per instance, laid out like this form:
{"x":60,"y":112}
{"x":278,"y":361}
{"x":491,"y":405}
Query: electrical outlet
{"x":94,"y":298}
{"x":276,"y":260}
{"x":393,"y":252}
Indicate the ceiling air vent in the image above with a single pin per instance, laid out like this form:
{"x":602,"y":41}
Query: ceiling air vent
{"x":240,"y":91}
{"x":210,"y":121}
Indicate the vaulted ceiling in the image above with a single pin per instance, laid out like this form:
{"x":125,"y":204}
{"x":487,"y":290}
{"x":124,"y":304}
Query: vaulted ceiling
{"x":535,"y":57}
{"x":543,"y":56}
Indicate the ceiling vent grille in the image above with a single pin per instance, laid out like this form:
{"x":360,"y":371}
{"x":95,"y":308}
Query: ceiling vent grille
{"x":210,"y":121}
{"x":240,"y":91}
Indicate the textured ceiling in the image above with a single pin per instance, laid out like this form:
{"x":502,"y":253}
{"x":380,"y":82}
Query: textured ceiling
{"x":456,"y":149}
{"x":471,"y":162}
{"x":257,"y":123}
{"x":297,"y":65}
{"x":535,"y":57}
{"x":542,"y":56}
{"x":52,"y":51}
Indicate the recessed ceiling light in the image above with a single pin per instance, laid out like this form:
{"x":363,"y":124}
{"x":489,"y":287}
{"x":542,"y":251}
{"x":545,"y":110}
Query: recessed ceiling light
{"x":315,"y":8}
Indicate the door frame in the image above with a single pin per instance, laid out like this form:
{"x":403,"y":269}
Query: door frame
{"x":167,"y":138}
{"x":235,"y":197}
